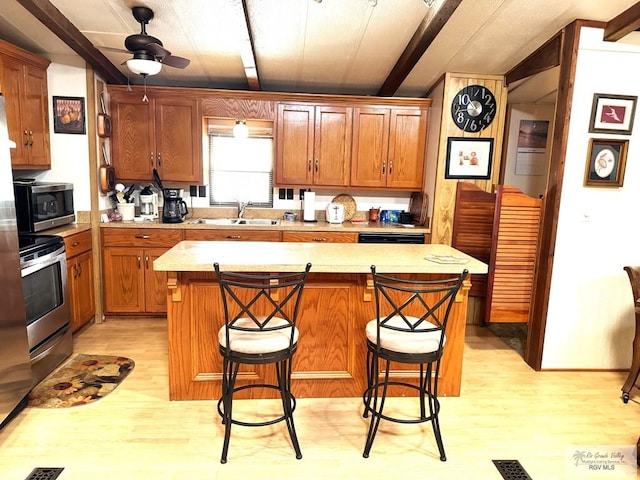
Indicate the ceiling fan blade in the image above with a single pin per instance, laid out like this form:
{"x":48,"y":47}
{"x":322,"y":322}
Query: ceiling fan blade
{"x":157,"y":50}
{"x":177,"y":62}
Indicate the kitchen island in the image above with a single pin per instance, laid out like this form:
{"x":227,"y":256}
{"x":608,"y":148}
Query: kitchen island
{"x":336,"y":304}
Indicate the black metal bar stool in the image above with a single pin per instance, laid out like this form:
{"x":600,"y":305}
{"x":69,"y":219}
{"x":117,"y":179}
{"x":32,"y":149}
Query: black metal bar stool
{"x":260,"y":312}
{"x":409,"y":328}
{"x":634,"y":371}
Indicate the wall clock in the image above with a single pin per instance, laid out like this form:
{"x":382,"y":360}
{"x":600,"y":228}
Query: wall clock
{"x":473,"y":108}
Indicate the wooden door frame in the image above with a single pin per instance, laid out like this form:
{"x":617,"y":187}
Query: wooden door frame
{"x":561,"y":51}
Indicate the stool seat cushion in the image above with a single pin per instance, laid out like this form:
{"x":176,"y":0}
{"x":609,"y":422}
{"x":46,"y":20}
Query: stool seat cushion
{"x":405,"y":341}
{"x":258,"y":341}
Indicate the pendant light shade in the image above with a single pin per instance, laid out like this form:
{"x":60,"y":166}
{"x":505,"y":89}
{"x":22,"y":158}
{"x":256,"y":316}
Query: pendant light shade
{"x":240,"y":130}
{"x":144,"y":67}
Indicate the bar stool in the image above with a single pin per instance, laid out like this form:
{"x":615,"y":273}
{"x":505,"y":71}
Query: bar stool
{"x":634,"y":371}
{"x":409,"y":328}
{"x":260,"y":313}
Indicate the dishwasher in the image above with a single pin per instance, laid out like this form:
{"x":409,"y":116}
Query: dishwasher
{"x":397,"y":238}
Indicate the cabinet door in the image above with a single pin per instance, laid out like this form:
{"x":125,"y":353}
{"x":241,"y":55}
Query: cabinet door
{"x":35,"y":117}
{"x":370,"y":147}
{"x":178,"y":136}
{"x":81,"y":283}
{"x":294,"y":144}
{"x":123,"y":280}
{"x":155,"y":283}
{"x":407,"y":140}
{"x":133,"y":152}
{"x":332,"y":150}
{"x":12,"y":84}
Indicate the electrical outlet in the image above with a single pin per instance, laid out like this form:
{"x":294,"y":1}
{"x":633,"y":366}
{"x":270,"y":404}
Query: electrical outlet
{"x":301,"y":193}
{"x":202,"y":190}
{"x":289,"y":193}
{"x":281,"y":193}
{"x":193,"y":190}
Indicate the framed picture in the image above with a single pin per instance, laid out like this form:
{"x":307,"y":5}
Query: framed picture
{"x":612,"y":114}
{"x":469,"y":158}
{"x":68,"y":115}
{"x":606,"y":162}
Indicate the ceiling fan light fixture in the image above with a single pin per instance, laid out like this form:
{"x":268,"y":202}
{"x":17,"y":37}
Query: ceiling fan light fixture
{"x":144,"y":67}
{"x":240,"y":130}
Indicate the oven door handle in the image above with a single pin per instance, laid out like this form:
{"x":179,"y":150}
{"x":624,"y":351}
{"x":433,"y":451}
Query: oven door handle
{"x":42,"y":262}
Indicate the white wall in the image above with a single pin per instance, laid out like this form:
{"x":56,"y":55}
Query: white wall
{"x":532,"y":185}
{"x":590,"y":322}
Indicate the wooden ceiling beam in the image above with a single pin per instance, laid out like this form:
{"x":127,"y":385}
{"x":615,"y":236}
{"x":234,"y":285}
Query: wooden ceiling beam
{"x":622,"y":25}
{"x":51,"y":17}
{"x":250,"y":66}
{"x":426,"y":32}
{"x":546,"y":57}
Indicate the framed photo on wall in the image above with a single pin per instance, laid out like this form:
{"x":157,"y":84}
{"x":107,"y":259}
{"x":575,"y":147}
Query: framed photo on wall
{"x":612,"y":113}
{"x":68,"y":115}
{"x":606,"y":162}
{"x":469,"y":158}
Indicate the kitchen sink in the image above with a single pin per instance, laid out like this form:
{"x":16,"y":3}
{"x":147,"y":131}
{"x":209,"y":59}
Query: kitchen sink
{"x":236,"y":221}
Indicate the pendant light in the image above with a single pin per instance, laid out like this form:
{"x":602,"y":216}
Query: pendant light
{"x":240,"y":130}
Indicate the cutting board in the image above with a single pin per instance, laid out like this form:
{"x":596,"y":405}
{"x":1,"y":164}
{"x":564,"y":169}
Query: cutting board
{"x":418,"y":207}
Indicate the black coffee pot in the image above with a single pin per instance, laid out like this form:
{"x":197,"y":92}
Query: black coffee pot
{"x":174,"y":209}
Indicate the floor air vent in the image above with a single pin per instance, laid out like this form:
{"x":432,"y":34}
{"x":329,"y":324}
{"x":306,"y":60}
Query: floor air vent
{"x":511,"y":470}
{"x":44,"y":473}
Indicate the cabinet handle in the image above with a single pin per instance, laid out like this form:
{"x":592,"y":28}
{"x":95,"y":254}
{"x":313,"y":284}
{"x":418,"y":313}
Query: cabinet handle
{"x":234,"y":237}
{"x":139,"y":264}
{"x":30,"y":137}
{"x":79,"y":269}
{"x":26,"y":137}
{"x":384,"y":167}
{"x":151,"y":158}
{"x":143,"y":237}
{"x":316,"y":164}
{"x":319,"y":239}
{"x":75,"y":271}
{"x":390,"y":167}
{"x":159,"y":160}
{"x":309,"y":164}
{"x":146,"y":262}
{"x":75,"y":244}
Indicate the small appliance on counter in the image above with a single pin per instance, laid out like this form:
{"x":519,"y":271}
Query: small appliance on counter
{"x":174,"y":209}
{"x":148,"y":204}
{"x":335,"y":212}
{"x":42,"y":205}
{"x":309,"y":206}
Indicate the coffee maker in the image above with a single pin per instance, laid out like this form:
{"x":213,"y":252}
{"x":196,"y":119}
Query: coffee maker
{"x":148,"y":204}
{"x":174,"y":209}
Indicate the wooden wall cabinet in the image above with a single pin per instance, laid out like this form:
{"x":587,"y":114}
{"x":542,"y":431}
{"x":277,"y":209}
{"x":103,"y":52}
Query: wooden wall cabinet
{"x":131,"y":286}
{"x":80,"y":278}
{"x":313,"y":145}
{"x":388,"y":147}
{"x":164,"y":133}
{"x":23,"y":83}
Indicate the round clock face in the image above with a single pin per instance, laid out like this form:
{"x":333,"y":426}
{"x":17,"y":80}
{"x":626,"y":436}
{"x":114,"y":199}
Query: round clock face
{"x":473,"y":108}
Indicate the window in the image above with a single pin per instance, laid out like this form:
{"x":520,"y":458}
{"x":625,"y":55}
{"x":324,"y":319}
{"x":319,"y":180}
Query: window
{"x":240,"y":170}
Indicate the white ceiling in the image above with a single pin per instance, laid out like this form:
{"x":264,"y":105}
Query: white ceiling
{"x":332,"y":46}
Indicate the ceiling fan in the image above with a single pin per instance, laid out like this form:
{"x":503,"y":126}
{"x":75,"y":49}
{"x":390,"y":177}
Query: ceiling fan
{"x":148,"y":53}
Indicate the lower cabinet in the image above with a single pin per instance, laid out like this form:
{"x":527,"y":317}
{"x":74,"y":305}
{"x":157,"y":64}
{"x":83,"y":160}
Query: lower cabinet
{"x":131,"y":286}
{"x":80,"y":278}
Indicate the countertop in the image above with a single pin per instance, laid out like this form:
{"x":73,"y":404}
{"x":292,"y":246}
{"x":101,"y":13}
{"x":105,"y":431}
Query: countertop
{"x":320,"y":226}
{"x":199,"y":256}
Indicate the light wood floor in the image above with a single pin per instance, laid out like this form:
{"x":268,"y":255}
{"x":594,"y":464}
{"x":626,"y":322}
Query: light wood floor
{"x":505,"y":411}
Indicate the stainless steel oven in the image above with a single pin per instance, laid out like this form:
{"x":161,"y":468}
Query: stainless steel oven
{"x":44,"y":281}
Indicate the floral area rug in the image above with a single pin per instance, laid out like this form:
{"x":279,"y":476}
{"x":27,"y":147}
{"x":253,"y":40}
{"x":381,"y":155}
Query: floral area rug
{"x":83,"y":379}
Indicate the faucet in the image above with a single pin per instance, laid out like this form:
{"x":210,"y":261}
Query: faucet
{"x":241,"y":208}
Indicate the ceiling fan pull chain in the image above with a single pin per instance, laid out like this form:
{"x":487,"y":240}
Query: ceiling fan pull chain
{"x":145,"y":99}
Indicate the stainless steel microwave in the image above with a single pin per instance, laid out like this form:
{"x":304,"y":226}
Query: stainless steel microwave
{"x":43,"y":205}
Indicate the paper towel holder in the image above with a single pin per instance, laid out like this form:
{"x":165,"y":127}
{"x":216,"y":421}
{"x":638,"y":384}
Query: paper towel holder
{"x":309,"y":207}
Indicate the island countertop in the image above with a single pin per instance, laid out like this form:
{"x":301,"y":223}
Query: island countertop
{"x":199,"y":256}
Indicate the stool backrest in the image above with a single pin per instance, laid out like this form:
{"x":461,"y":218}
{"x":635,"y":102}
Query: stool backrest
{"x":422,"y":305}
{"x":259,"y":298}
{"x":634,"y":278}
